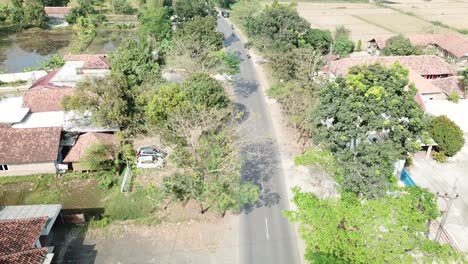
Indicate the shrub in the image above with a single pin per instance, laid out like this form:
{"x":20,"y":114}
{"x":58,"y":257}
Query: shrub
{"x":399,"y":46}
{"x":453,"y":97}
{"x":447,"y":134}
{"x":440,"y":157}
{"x":343,"y":46}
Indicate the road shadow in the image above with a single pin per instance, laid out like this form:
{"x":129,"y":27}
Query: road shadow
{"x":68,"y":239}
{"x":243,"y":87}
{"x":231,"y":39}
{"x":259,"y":167}
{"x":242,"y":114}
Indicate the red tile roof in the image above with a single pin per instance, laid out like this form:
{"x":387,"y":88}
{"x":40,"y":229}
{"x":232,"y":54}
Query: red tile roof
{"x":91,"y":61}
{"x":454,"y":44}
{"x":20,"y":234}
{"x":423,"y":64}
{"x":27,"y":145}
{"x":45,"y":99}
{"x":449,"y":85}
{"x":86,"y":140}
{"x":33,"y":256}
{"x":57,"y":10}
{"x":44,"y":81}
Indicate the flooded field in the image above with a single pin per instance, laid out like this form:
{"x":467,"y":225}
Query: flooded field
{"x":25,"y":49}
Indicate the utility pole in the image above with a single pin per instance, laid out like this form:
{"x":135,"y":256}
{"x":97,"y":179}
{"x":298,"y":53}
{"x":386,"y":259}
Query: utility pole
{"x":449,"y":198}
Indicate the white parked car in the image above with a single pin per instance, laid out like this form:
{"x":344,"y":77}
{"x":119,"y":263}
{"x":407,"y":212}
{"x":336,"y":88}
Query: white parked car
{"x":150,"y":162}
{"x":150,"y":151}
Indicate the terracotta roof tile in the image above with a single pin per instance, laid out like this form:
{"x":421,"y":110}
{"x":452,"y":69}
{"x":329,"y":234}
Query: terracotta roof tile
{"x":449,"y":85}
{"x":424,"y":64}
{"x":45,"y":99}
{"x":91,"y":61}
{"x":32,"y":256}
{"x":25,"y":145}
{"x":57,"y":10}
{"x":20,"y":234}
{"x":455,"y":44}
{"x":86,"y":140}
{"x":44,"y":81}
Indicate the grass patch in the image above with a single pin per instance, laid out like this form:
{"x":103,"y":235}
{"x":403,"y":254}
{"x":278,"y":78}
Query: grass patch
{"x":15,"y":83}
{"x":29,"y":178}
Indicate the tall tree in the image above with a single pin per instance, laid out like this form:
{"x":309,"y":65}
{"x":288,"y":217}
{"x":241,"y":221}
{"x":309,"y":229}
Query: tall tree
{"x":188,"y":9}
{"x":399,"y":46}
{"x":202,"y":90}
{"x":373,"y":104}
{"x":278,"y":27}
{"x":384,"y":230}
{"x":154,"y":21}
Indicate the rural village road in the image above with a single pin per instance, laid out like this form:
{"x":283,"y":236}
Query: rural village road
{"x":265,"y":235}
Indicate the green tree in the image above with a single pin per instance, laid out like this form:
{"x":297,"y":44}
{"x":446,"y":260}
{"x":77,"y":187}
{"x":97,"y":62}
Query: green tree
{"x":225,"y":3}
{"x":122,"y":7}
{"x":53,"y":63}
{"x":107,"y":98}
{"x":196,"y":43}
{"x":398,"y":46}
{"x":447,"y":135}
{"x":168,"y":99}
{"x":202,"y":90}
{"x":154,"y":21}
{"x":317,"y":39}
{"x":245,"y":9}
{"x":84,"y":8}
{"x":135,"y":60}
{"x":29,"y":13}
{"x":85,"y":31}
{"x":344,"y":45}
{"x":188,"y":9}
{"x":372,"y":104}
{"x":383,"y":230}
{"x":278,"y":28}
{"x":97,"y":157}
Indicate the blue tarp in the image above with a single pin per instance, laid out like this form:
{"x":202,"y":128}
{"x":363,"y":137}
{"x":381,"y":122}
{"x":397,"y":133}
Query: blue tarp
{"x":406,"y":179}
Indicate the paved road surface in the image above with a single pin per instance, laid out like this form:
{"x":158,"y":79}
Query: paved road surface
{"x":266,"y":236}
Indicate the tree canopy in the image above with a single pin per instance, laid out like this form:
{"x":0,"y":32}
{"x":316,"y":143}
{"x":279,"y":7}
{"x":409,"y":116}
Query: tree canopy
{"x":154,"y":21}
{"x":278,"y":27}
{"x":188,"y":9}
{"x":372,"y":104}
{"x":202,"y":90}
{"x":447,"y":135}
{"x":389,"y":229}
{"x":399,"y":46}
{"x":317,"y":39}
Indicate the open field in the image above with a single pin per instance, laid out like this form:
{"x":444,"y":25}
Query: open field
{"x":364,"y":20}
{"x":450,"y":12}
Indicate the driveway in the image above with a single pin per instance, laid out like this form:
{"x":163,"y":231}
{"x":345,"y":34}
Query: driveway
{"x":441,"y":177}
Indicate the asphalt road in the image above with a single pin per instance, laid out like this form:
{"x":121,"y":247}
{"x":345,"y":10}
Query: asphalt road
{"x":266,"y":236}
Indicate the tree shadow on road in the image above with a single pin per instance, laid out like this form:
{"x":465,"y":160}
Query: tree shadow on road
{"x":230,"y":40}
{"x":260,"y":166}
{"x":243,"y":87}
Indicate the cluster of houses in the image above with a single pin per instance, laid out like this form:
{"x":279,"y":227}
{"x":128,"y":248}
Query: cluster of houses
{"x":434,"y":76}
{"x":37,"y":136}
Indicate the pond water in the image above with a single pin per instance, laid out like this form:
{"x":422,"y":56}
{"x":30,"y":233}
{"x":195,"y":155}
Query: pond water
{"x":26,"y":49}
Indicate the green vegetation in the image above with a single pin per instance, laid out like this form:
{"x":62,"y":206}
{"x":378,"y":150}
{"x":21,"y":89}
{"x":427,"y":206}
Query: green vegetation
{"x":85,"y":31}
{"x":14,"y":83}
{"x":453,"y":97}
{"x":447,"y":135}
{"x":399,"y":46}
{"x":355,"y":110}
{"x":383,"y":230}
{"x":24,"y":14}
{"x":154,"y":22}
{"x":344,"y":45}
{"x":188,"y":9}
{"x":464,"y":80}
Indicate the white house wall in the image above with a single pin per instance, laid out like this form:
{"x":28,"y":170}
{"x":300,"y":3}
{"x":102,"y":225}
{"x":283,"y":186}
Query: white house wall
{"x":29,"y":169}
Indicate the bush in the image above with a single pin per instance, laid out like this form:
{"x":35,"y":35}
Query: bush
{"x":343,"y":46}
{"x":399,"y":46}
{"x":440,"y":157}
{"x":447,"y":134}
{"x":453,"y":97}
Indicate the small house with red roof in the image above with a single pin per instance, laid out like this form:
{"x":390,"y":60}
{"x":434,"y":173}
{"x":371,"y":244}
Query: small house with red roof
{"x":79,"y":66}
{"x":56,"y":15}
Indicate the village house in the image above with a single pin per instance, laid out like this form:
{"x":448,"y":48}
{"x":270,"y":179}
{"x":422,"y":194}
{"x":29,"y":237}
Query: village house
{"x":78,"y":151}
{"x":56,"y":15}
{"x":423,"y":71}
{"x":453,"y":48}
{"x":79,"y":66}
{"x":21,"y":228}
{"x":29,"y":151}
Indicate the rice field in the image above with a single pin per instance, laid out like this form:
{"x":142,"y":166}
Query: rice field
{"x":366,"y":20}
